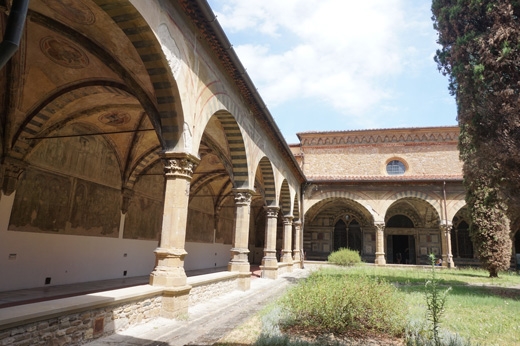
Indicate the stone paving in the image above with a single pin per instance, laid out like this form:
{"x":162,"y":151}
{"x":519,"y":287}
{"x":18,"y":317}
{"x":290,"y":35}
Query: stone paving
{"x":207,"y":322}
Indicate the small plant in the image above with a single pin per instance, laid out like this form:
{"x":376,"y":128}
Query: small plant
{"x":435,"y":300}
{"x":344,"y":257}
{"x":330,"y":301}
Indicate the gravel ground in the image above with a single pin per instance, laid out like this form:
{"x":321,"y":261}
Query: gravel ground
{"x":210,"y":321}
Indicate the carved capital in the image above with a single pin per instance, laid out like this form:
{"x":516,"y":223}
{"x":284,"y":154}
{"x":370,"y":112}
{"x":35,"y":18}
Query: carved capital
{"x":243,"y":197}
{"x":179,"y":165}
{"x":297,"y":224}
{"x":445,"y":226}
{"x":127,"y":195}
{"x":287,"y":220}
{"x":271,"y":212}
{"x":380,"y":226}
{"x":12,"y":170}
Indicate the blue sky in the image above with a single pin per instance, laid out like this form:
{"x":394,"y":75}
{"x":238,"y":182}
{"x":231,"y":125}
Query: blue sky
{"x":334,"y":65}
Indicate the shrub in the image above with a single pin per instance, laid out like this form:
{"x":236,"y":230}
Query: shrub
{"x":344,"y":257}
{"x":329,"y":301}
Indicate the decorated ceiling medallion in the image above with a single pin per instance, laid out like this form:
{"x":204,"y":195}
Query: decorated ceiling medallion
{"x":114,"y":118}
{"x":63,"y":52}
{"x":74,"y":10}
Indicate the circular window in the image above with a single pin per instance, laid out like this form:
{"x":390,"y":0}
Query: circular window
{"x":395,"y":167}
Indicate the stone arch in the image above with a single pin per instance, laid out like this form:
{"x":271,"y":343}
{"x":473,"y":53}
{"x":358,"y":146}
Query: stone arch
{"x":142,"y":164}
{"x":346,"y":195}
{"x":389,"y":200}
{"x":430,"y":218}
{"x":167,"y":106}
{"x":38,"y":118}
{"x":285,"y":199}
{"x":357,"y":209}
{"x":266,"y":169}
{"x":296,"y":206}
{"x":453,"y":207}
{"x":237,"y":149}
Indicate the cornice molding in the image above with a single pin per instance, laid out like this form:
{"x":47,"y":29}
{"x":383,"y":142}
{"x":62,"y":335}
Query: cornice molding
{"x":438,"y":135}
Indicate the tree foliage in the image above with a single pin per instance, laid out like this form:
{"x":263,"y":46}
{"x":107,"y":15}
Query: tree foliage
{"x":480,"y":53}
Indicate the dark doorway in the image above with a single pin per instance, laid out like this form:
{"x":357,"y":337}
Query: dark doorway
{"x":517,"y":242}
{"x":354,"y":236}
{"x":401,"y":249}
{"x":340,"y":235}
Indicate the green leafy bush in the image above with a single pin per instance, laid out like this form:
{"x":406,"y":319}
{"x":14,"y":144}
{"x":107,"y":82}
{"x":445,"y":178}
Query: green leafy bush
{"x":344,"y":257}
{"x":329,"y":301}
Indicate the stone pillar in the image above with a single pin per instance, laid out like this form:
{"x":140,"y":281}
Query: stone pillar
{"x":169,"y":264}
{"x":297,"y":252}
{"x":12,"y":170}
{"x":287,"y":242}
{"x":239,"y":253}
{"x":269,"y":263}
{"x":447,"y":255}
{"x":380,"y":243}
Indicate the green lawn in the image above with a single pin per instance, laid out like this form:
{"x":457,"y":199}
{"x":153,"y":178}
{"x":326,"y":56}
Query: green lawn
{"x":485,"y":310}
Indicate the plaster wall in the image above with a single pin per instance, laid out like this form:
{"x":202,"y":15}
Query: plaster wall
{"x":204,"y":255}
{"x":27,"y":259}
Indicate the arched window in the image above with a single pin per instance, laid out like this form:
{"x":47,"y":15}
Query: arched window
{"x":395,"y":167}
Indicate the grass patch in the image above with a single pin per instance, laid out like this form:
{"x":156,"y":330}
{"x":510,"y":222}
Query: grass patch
{"x":329,"y":301}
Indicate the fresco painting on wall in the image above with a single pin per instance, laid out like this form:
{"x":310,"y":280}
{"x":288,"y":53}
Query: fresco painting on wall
{"x":44,"y":203}
{"x":143,"y":220}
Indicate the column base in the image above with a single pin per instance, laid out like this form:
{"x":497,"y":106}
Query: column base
{"x":269,"y":272}
{"x":380,"y":258}
{"x":169,"y":271}
{"x":297,"y":259}
{"x":244,"y":281}
{"x":175,"y":302}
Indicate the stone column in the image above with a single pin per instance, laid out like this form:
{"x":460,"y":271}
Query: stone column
{"x":287,"y":242}
{"x":297,"y":252}
{"x":447,"y":255}
{"x":269,"y":263}
{"x":380,"y":243}
{"x":169,"y":264}
{"x":239,"y":253}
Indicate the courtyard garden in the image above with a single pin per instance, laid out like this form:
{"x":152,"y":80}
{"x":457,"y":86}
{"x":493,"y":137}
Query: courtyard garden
{"x":368,"y":305}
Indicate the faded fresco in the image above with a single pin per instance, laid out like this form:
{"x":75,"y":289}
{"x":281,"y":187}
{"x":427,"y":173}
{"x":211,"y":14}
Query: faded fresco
{"x":226,"y":222}
{"x":201,"y":220}
{"x":88,"y":157}
{"x":144,"y":218}
{"x":48,"y":202}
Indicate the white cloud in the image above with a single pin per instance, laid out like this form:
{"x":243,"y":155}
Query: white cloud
{"x":340,"y":52}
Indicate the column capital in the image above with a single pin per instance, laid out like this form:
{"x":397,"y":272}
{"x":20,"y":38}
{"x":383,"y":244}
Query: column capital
{"x":288,"y":220}
{"x":243,"y":196}
{"x":379,"y":225}
{"x":271,"y":211}
{"x":445,"y":225}
{"x":12,"y":170}
{"x":179,"y":165}
{"x":297,"y":223}
{"x":127,"y":195}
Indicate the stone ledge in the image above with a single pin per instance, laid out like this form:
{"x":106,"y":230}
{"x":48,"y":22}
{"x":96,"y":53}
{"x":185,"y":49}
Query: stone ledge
{"x":206,"y":279}
{"x":27,"y":313}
